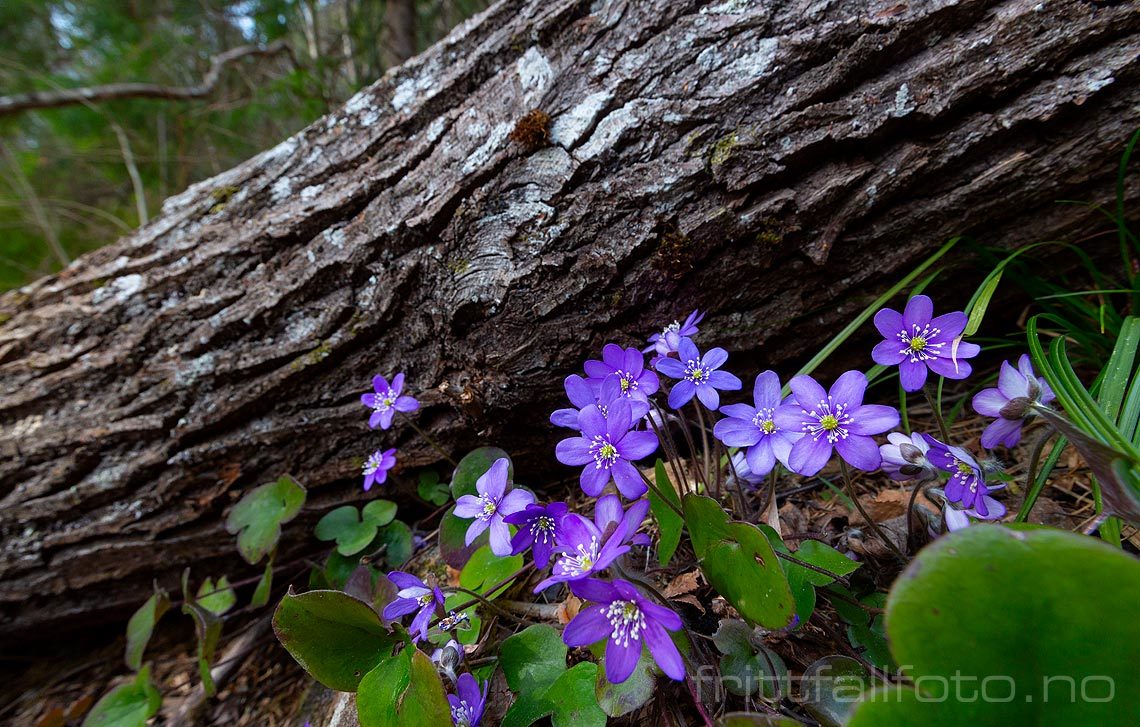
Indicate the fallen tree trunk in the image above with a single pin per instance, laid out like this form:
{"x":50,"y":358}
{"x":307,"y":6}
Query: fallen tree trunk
{"x":775,"y":163}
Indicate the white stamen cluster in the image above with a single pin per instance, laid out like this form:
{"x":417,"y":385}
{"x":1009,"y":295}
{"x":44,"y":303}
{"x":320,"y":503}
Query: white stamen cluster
{"x":385,"y":402}
{"x":583,"y":562}
{"x":461,"y":715}
{"x":764,"y":420}
{"x":628,"y":383}
{"x":542,"y":528}
{"x":696,"y":373}
{"x":830,"y":420}
{"x":603,"y":451}
{"x":373,"y":464}
{"x":917,"y":345}
{"x":490,"y":506}
{"x":626,"y":621}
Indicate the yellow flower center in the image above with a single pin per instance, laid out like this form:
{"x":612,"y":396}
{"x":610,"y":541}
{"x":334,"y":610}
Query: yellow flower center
{"x":828,"y":422}
{"x":917,"y":343}
{"x":768,"y":426}
{"x":608,"y":451}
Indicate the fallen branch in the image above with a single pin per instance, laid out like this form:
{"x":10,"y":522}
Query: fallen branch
{"x":19,"y":102}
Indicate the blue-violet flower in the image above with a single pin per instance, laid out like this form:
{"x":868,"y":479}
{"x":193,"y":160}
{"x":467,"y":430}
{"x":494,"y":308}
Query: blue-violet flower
{"x":387,"y":401}
{"x":1011,"y":402}
{"x":491,"y":505}
{"x":697,"y":375}
{"x":916,"y":341}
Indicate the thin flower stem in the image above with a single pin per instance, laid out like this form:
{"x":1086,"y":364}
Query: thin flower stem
{"x":659,"y":494}
{"x":918,"y":487}
{"x":738,"y":490}
{"x":859,"y":506}
{"x":664,"y":436}
{"x":428,"y":439}
{"x":905,"y":420}
{"x":1031,"y":471}
{"x":698,"y":475}
{"x":822,"y":571}
{"x":506,"y":581}
{"x":705,"y":445}
{"x":934,"y":407}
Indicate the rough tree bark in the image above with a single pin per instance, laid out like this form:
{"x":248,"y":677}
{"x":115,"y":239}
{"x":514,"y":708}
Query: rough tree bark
{"x":775,"y":163}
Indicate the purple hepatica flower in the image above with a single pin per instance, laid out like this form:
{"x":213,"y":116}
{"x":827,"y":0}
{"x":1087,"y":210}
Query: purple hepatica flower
{"x":608,"y":513}
{"x":387,"y":401}
{"x":916,"y":342}
{"x":626,"y":619}
{"x":611,"y":448}
{"x":836,"y":419}
{"x":1011,"y":402}
{"x":491,"y":505}
{"x":669,"y":339}
{"x":740,"y":471}
{"x":468,"y":701}
{"x":537,"y":529}
{"x":755,"y":427}
{"x":905,"y":457}
{"x":377,"y":466}
{"x":697,"y":375}
{"x":414,"y":595}
{"x":967,"y":484}
{"x":585,"y":549}
{"x":628,"y":367}
{"x":582,"y":394}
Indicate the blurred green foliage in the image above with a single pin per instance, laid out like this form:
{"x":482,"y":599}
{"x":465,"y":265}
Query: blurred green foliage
{"x":66,"y":183}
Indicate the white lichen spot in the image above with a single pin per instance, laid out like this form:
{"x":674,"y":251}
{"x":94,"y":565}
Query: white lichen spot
{"x":308,"y":194}
{"x":335,"y":237}
{"x":311,"y":256}
{"x":359,"y":102}
{"x":904,"y":104}
{"x":121,"y":289}
{"x":194,"y":369}
{"x":435,"y":129}
{"x":409,"y":89}
{"x":534,"y":72}
{"x":729,"y":7}
{"x":755,"y":64}
{"x":483,"y":154}
{"x":1097,"y":84}
{"x":281,"y":189}
{"x":710,"y":58}
{"x":568,"y":128}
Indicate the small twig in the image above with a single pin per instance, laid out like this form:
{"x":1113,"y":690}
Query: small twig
{"x":659,"y":494}
{"x":859,"y":506}
{"x":822,"y":571}
{"x":73,"y":96}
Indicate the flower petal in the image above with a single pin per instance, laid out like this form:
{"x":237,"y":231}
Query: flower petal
{"x":628,"y":482}
{"x":565,"y":418}
{"x":889,"y":322}
{"x":761,"y":459}
{"x":1012,"y":382}
{"x":687,"y":350}
{"x":848,"y":389}
{"x":621,"y":660}
{"x":989,"y":402}
{"x":709,"y":397}
{"x":681,"y":393}
{"x":593,"y":479}
{"x":607,"y":510}
{"x":809,"y":455}
{"x":766,"y":390}
{"x":912,"y":374}
{"x":573,"y":451}
{"x":591,"y":421}
{"x":888,"y":353}
{"x":404,"y":580}
{"x":918,"y":312}
{"x":950,"y":369}
{"x":737,"y":432}
{"x":714,"y":358}
{"x":380,"y":384}
{"x":493,"y":482}
{"x":468,"y":506}
{"x":873,"y":419}
{"x":860,"y":452}
{"x":807,"y":391}
{"x":619,"y":415}
{"x":578,"y":391}
{"x":1006,"y":432}
{"x":725,"y":381}
{"x":950,"y":325}
{"x":589,"y":627}
{"x":515,"y":501}
{"x":500,"y":537}
{"x":664,"y":651}
{"x":637,"y":445}
{"x":671,"y":367}
{"x":741,"y":411}
{"x":474,"y":530}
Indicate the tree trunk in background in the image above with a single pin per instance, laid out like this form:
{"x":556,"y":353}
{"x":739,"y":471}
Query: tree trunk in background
{"x":399,"y":31}
{"x":775,"y":163}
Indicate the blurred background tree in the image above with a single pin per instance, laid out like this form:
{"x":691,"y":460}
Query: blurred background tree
{"x":78,"y":176}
